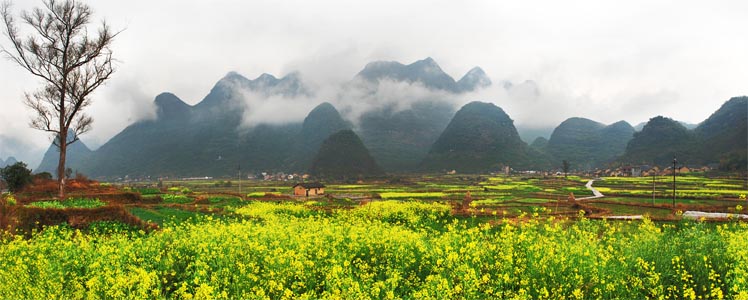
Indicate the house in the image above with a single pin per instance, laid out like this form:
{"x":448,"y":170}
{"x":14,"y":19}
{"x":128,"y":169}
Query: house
{"x":308,"y":189}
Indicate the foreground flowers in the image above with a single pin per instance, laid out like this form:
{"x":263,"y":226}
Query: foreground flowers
{"x":385,"y":250}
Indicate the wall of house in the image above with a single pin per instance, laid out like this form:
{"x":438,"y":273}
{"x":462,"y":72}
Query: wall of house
{"x":299,"y":191}
{"x":316,"y":191}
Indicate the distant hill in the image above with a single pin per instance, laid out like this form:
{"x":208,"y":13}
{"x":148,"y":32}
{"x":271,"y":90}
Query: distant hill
{"x":208,"y":139}
{"x":205,"y":139}
{"x":722,"y":138}
{"x":426,"y":72}
{"x":660,"y":141}
{"x":322,"y":122}
{"x":399,"y":138}
{"x":344,"y":156}
{"x":529,"y":134}
{"x":480,"y":138}
{"x":587,"y":144}
{"x":689,"y":126}
{"x":539,"y":143}
{"x":75,"y":158}
{"x":724,"y":135}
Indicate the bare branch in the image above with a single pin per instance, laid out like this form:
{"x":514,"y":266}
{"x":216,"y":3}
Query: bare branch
{"x":72,"y":64}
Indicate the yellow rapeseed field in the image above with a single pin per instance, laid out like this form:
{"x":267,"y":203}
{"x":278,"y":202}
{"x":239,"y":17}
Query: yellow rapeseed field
{"x":384,"y":250}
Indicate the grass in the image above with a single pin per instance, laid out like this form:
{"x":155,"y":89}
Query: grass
{"x":622,"y":209}
{"x":412,"y":195}
{"x":69,"y":203}
{"x":181,"y":199}
{"x":162,"y":215}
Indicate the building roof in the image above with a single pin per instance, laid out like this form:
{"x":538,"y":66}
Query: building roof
{"x":310,"y":185}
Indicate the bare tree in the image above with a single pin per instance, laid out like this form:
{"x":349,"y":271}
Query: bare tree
{"x":565,"y":166}
{"x":70,"y":62}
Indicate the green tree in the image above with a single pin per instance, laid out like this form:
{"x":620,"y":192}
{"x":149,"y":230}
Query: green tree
{"x":70,"y":62}
{"x":566,"y":167}
{"x":16,"y":176}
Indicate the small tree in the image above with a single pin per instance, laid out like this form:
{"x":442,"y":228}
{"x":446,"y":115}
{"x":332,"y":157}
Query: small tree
{"x":16,"y":176}
{"x":566,"y":168}
{"x":70,"y":63}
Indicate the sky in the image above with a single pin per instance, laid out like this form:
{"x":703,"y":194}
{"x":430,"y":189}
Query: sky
{"x":603,"y":60}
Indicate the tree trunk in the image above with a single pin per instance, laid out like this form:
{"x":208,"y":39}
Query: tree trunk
{"x":63,"y":137}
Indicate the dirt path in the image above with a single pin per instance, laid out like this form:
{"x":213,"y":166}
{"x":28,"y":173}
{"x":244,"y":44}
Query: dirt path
{"x":597,"y":194}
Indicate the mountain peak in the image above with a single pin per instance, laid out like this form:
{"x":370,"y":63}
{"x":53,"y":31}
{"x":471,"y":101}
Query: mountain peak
{"x":169,"y":105}
{"x":476,"y":71}
{"x":166,"y":98}
{"x":474,"y":79}
{"x":322,"y":116}
{"x":232,"y":76}
{"x":428,"y":61}
{"x":621,"y":124}
{"x":425,"y":71}
{"x":266,"y":77}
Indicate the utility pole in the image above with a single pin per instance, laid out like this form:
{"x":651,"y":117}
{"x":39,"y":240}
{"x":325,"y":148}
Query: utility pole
{"x":674,"y":162}
{"x":240,"y":179}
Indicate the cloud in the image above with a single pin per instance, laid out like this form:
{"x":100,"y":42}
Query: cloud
{"x":588,"y":59}
{"x":125,"y":101}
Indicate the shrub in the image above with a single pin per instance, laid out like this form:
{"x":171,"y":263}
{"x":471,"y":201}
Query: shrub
{"x":16,"y":176}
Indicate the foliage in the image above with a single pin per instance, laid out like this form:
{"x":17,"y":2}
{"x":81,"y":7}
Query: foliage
{"x":287,"y":252}
{"x":180,"y":189}
{"x":411,"y":212}
{"x":265,"y":210}
{"x":171,"y":198}
{"x":43,"y":176}
{"x":149,"y":191}
{"x":164,"y":215}
{"x":262,"y":194}
{"x":16,"y":176}
{"x":69,"y":203}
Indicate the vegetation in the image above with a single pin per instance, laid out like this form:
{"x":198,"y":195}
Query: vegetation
{"x":171,"y":198}
{"x":389,"y":250}
{"x":69,"y":203}
{"x":16,"y":176}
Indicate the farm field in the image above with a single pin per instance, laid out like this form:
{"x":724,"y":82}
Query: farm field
{"x":420,"y":237}
{"x":511,"y":196}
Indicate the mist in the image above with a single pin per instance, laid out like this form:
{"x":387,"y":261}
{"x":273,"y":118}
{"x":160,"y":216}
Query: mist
{"x":587,"y":58}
